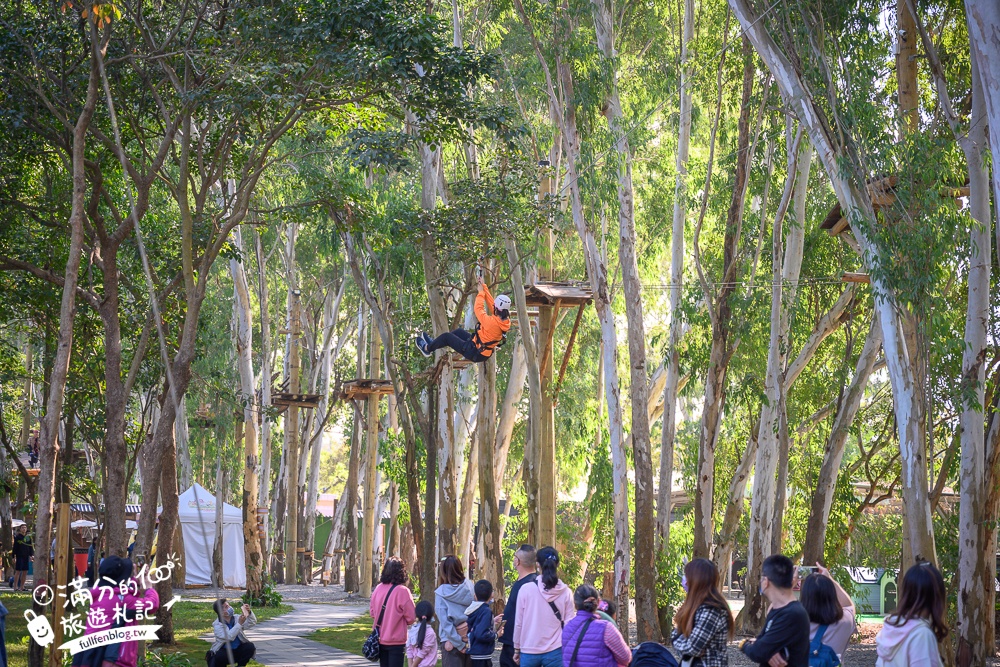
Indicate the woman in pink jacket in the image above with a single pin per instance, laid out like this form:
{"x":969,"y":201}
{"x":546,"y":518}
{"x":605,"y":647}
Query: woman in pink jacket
{"x":543,"y":608}
{"x":112,"y":608}
{"x":392,"y":595}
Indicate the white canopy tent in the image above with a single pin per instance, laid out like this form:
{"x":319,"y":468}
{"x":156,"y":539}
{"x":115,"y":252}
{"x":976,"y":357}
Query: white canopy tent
{"x":196,"y":512}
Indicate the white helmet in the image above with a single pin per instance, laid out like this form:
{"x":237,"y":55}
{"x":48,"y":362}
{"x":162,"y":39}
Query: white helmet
{"x":502,"y":302}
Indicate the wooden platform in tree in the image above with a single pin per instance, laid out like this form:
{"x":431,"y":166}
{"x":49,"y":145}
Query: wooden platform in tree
{"x":283,"y":400}
{"x":883,"y":194}
{"x":363,"y":388}
{"x":562,"y":293}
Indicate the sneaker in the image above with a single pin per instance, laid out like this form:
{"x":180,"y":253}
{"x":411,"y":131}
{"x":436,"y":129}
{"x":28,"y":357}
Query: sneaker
{"x":426,"y":337}
{"x":422,"y":346}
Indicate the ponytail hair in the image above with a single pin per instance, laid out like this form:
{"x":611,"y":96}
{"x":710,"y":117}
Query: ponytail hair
{"x":548,"y":561}
{"x":586,"y":598}
{"x":424,"y":613}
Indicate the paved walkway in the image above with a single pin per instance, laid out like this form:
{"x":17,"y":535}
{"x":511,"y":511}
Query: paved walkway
{"x":315,"y":592}
{"x":280,"y":641}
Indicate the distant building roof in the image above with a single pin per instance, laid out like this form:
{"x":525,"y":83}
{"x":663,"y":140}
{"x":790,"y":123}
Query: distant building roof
{"x":87,"y":508}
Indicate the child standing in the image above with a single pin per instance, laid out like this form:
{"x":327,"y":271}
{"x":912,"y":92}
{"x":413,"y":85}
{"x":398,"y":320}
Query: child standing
{"x":482,"y":626}
{"x":421,"y":642}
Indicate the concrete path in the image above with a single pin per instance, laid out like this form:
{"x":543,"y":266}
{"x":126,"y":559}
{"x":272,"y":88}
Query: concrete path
{"x":280,"y":641}
{"x":315,"y":592}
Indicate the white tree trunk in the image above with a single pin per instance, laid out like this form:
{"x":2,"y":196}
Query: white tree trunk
{"x":645,"y":523}
{"x":264,"y":486}
{"x":836,"y":445}
{"x":975,"y":601}
{"x":527,"y":341}
{"x":465,"y":418}
{"x":597,"y":272}
{"x":669,"y":429}
{"x":243,"y":338}
{"x":737,"y":486}
{"x":849,"y":185}
{"x":509,"y":408}
{"x":763,"y":503}
{"x":331,"y":308}
{"x":983,"y":17}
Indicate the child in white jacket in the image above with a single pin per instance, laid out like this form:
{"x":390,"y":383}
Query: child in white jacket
{"x":909,"y":637}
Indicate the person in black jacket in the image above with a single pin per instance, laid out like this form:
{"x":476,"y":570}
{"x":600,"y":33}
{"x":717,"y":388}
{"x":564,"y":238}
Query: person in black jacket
{"x":524,"y":563}
{"x":23,"y":554}
{"x":482,"y":626}
{"x":786,"y":629}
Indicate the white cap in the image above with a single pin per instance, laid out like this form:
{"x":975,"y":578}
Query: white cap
{"x":502,"y":302}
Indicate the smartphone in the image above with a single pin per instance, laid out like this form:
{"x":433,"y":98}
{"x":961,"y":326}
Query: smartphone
{"x":806,"y":570}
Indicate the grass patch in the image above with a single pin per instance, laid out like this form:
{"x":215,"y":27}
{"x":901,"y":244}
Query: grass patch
{"x":347,"y":637}
{"x":191,"y":619}
{"x":16,"y":632}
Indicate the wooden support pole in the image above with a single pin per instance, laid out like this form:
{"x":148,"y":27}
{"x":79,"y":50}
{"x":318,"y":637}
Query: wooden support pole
{"x":62,"y":571}
{"x":370,"y":522}
{"x":548,"y":329}
{"x":569,"y":351}
{"x":546,"y":451}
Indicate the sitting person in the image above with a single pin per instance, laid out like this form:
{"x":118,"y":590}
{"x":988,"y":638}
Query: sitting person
{"x":489,"y":334}
{"x":231,"y":645}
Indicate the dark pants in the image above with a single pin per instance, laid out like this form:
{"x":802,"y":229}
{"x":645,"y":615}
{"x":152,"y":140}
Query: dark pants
{"x":478,"y":662}
{"x":459,"y":340}
{"x":242,"y":654}
{"x":392,"y":655}
{"x":454,"y":658}
{"x":507,"y":656}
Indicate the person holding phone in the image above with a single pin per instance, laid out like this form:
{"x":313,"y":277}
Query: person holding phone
{"x":828,"y":604}
{"x":231,"y":646}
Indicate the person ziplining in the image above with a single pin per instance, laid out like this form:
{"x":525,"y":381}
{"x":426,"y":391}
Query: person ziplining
{"x":489,"y":334}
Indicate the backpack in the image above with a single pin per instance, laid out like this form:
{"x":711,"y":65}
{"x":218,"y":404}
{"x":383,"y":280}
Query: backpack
{"x":652,"y":654}
{"x":821,"y":655}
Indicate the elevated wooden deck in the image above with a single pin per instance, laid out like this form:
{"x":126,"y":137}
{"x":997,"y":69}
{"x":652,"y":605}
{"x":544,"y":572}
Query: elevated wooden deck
{"x":558,"y":293}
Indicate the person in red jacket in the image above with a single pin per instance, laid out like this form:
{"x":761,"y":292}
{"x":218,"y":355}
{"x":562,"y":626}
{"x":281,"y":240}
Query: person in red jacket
{"x":490,"y":333}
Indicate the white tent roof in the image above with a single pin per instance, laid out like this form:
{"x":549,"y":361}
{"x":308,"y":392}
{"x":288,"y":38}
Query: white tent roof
{"x":197,"y":505}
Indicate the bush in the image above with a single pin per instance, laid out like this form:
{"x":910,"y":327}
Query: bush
{"x":269,"y":595}
{"x":159,"y":659}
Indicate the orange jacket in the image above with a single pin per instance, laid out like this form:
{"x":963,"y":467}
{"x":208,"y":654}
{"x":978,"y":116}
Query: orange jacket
{"x":491,"y":327}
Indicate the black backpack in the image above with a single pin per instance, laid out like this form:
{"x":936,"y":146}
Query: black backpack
{"x":652,"y":654}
